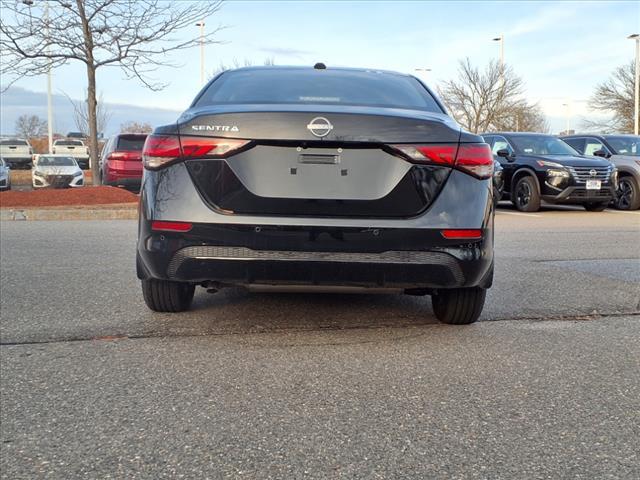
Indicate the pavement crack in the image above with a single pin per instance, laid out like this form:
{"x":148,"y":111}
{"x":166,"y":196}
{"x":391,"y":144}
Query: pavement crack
{"x":320,"y":328}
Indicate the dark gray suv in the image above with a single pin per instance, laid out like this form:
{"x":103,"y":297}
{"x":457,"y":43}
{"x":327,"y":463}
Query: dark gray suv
{"x":317,"y":178}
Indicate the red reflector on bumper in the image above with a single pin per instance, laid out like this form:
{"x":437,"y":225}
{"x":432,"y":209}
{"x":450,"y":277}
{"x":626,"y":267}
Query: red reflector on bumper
{"x":171,"y":226}
{"x":460,"y":234}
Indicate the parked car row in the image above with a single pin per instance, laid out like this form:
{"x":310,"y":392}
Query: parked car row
{"x":120,"y":163}
{"x":589,"y":170}
{"x":18,"y":153}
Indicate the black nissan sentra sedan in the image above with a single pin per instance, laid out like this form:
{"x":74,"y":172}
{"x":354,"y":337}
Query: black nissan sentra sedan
{"x":306,"y":178}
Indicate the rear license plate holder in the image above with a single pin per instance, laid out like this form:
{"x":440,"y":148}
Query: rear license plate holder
{"x":319,"y":159}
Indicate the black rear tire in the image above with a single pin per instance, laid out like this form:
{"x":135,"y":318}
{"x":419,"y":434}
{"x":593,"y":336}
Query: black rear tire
{"x":595,"y":206}
{"x":459,"y":306}
{"x":628,"y":194}
{"x":166,"y":296}
{"x":526,"y":197}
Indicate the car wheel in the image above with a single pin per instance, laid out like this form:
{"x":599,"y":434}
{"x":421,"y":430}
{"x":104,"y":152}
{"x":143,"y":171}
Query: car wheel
{"x":628,"y":194}
{"x":595,"y":206}
{"x":459,"y":306}
{"x":166,"y":296}
{"x":525,"y":195}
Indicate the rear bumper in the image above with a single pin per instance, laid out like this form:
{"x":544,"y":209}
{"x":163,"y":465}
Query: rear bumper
{"x":262,"y":255}
{"x":122,"y":173}
{"x":123,"y":182}
{"x":233,"y":249}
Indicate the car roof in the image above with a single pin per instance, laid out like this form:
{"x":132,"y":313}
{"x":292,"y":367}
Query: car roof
{"x":528,"y":134}
{"x":53,"y":155}
{"x":580,"y":135}
{"x":294,"y":68}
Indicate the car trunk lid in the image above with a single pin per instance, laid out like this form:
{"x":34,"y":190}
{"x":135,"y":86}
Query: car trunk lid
{"x":333,"y":161}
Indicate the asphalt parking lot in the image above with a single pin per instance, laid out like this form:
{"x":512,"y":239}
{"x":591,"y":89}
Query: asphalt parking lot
{"x":546,"y":385}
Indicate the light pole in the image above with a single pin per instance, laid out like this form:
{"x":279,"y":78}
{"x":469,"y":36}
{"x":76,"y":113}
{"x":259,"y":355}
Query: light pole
{"x":201,"y":25}
{"x":636,"y":93}
{"x":29,"y":3}
{"x":49,"y":101}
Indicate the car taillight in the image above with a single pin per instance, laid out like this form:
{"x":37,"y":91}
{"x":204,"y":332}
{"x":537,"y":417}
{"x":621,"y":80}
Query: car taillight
{"x":473,"y":158}
{"x":124,"y":156}
{"x":462,"y":234}
{"x":441,"y":154}
{"x":160,"y":150}
{"x":476,"y":159}
{"x":161,"y":226}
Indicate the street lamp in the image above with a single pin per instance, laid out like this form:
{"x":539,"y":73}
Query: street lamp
{"x":201,"y":25}
{"x":636,"y":94}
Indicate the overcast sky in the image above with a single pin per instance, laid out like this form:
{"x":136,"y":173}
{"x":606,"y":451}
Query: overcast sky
{"x":560,"y":49}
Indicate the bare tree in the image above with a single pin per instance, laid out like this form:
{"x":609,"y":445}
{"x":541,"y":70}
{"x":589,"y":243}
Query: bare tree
{"x":29,"y":126}
{"x":615,"y":97}
{"x":135,"y":35}
{"x":222,"y":67}
{"x":136,"y":127}
{"x":81,"y":115}
{"x":522,"y":117}
{"x":485,"y":100}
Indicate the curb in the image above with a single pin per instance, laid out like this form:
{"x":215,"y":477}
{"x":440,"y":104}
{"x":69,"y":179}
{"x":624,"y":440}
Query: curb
{"x":7,"y":214}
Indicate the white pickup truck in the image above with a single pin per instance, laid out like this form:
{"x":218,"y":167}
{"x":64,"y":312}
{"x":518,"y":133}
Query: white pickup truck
{"x":74,"y":148}
{"x":16,"y":152}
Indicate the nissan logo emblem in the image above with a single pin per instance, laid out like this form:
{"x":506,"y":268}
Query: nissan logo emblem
{"x":593,"y":173}
{"x":320,"y":127}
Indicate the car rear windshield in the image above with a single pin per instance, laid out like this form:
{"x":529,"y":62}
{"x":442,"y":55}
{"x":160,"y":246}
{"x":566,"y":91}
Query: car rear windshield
{"x":625,"y":145}
{"x":69,"y":142}
{"x":319,"y":87}
{"x":131,"y":143}
{"x":56,"y":162}
{"x":541,"y":145}
{"x":13,"y":142}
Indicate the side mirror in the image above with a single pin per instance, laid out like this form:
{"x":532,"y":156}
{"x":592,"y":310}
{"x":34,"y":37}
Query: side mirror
{"x":504,"y":153}
{"x":602,"y":153}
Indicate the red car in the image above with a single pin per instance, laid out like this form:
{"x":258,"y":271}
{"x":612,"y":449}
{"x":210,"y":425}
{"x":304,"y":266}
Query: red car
{"x":121,"y":162}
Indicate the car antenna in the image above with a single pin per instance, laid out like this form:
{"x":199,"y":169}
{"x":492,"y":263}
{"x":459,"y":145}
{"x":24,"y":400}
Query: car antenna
{"x":320,"y":66}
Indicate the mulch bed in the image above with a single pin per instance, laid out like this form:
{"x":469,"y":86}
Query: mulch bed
{"x":73,"y":197}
